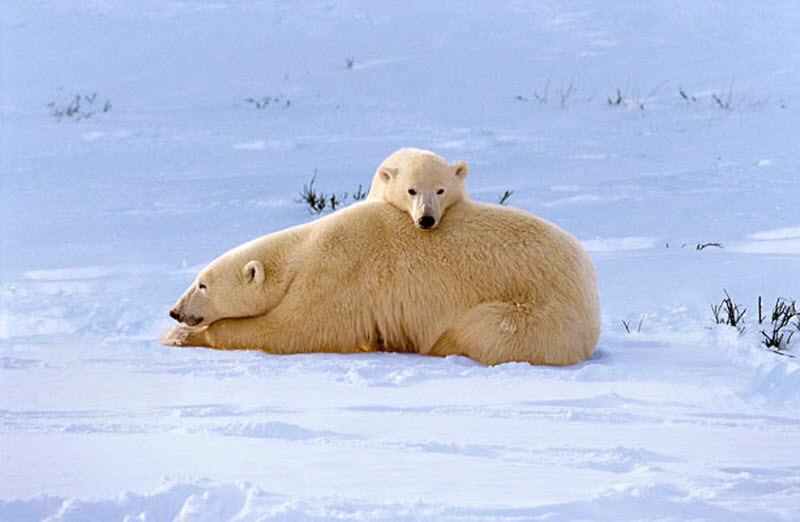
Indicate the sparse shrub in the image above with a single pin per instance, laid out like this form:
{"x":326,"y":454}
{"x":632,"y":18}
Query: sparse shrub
{"x":564,"y":92}
{"x":80,"y":107}
{"x":781,"y":324}
{"x":784,"y":321}
{"x":505,"y":196}
{"x":689,"y":99}
{"x":334,"y":201}
{"x":730,"y":313}
{"x":698,"y":246}
{"x":619,"y":100}
{"x":623,"y":99}
{"x":542,"y":98}
{"x":318,"y":201}
{"x":718,"y":99}
{"x":359,"y":194}
{"x":627,"y":325}
{"x":266,"y":101}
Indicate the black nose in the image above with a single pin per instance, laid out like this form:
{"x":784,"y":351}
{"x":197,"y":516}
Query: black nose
{"x":427,"y":221}
{"x":175,"y":315}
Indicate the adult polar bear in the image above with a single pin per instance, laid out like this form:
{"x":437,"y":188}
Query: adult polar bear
{"x":493,"y":283}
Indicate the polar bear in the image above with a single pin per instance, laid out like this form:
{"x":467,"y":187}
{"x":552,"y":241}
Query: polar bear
{"x":492,"y":283}
{"x":420,"y":183}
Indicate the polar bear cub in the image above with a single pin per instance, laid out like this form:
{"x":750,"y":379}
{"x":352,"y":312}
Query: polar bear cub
{"x":421,"y":183}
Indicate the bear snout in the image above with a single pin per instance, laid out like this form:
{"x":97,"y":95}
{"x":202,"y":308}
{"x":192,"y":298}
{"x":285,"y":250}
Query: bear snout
{"x":192,"y":320}
{"x":426,"y":222}
{"x":189,"y":320}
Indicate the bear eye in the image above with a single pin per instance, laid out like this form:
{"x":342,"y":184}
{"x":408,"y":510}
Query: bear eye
{"x":201,"y":286}
{"x":440,"y":191}
{"x":412,"y":192}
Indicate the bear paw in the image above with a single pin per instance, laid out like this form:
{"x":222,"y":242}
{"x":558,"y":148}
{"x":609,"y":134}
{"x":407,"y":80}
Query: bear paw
{"x":180,"y":336}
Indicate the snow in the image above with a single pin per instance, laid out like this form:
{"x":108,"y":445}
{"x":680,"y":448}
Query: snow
{"x":107,"y":217}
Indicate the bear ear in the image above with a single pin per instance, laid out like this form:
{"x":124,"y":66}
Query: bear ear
{"x":461,"y":169}
{"x":387,"y":173}
{"x":253,"y":272}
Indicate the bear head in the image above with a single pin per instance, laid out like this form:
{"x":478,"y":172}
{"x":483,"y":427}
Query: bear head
{"x":421,"y":183}
{"x":230,"y":287}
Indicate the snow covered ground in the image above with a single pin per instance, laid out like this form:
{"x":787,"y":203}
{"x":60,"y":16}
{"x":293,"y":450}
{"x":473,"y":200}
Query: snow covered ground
{"x":105,"y":219}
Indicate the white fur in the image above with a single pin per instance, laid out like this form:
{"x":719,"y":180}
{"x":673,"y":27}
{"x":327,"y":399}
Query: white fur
{"x":421,"y":183}
{"x":493,"y":283}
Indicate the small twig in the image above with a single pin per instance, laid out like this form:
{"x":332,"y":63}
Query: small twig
{"x":564,"y":95}
{"x":505,"y":196}
{"x":543,"y":98}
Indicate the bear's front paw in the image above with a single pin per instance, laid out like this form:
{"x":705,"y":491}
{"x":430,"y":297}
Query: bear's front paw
{"x":182,"y":336}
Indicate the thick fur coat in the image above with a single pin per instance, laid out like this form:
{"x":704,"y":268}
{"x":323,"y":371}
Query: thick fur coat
{"x":492,"y":283}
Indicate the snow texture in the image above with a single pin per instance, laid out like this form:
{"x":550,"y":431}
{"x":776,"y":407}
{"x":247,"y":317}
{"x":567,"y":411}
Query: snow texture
{"x":645,"y":129}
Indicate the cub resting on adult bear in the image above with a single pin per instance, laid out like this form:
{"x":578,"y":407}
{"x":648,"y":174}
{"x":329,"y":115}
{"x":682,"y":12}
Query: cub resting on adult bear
{"x":420,"y":183}
{"x":492,"y":283}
